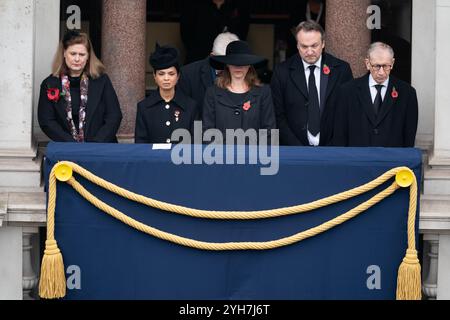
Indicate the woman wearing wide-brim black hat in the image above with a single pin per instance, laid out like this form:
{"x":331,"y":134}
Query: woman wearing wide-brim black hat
{"x":238,"y":100}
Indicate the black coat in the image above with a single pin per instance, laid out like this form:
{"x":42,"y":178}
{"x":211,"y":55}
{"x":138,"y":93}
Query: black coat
{"x":103,"y":115}
{"x":201,"y":22}
{"x":221,"y":113}
{"x":195,"y":79}
{"x":290,"y":97}
{"x":155,"y":123}
{"x":356,"y":123}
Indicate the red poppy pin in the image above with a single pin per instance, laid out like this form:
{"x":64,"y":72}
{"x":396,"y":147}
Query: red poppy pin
{"x":394,"y":93}
{"x":326,"y":69}
{"x":247,"y":106}
{"x":53,"y":94}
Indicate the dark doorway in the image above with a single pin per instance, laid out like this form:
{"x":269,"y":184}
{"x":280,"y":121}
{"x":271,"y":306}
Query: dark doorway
{"x":282,"y":15}
{"x":396,"y":30}
{"x":91,"y":20}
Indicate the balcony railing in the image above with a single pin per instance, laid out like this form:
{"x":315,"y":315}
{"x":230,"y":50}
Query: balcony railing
{"x":25,"y":212}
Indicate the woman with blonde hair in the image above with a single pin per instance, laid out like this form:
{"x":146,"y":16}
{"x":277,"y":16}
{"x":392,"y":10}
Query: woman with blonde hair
{"x":238,"y":100}
{"x":77,"y":102}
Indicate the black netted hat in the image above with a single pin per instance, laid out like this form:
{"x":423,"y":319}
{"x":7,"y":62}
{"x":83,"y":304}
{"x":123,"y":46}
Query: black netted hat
{"x":70,"y":34}
{"x":164,"y":57}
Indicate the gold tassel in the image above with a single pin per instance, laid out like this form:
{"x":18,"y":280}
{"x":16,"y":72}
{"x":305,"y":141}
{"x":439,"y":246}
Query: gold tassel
{"x":52,"y":284}
{"x":409,"y":283}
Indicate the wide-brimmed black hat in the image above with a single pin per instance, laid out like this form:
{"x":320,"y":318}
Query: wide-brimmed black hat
{"x":164,"y":57}
{"x":238,"y":53}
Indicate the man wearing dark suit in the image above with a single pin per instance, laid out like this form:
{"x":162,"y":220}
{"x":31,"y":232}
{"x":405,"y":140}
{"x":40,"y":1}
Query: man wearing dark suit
{"x":202,"y":20}
{"x":304,"y":90}
{"x":198,"y":76}
{"x":377,"y":110}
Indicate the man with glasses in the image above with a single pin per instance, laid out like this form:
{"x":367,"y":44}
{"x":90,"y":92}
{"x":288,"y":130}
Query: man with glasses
{"x":377,"y":110}
{"x":304,"y":89}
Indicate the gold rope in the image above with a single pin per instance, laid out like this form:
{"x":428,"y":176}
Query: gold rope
{"x":230,"y":246}
{"x":232,"y":215}
{"x":52,"y":283}
{"x":409,"y":283}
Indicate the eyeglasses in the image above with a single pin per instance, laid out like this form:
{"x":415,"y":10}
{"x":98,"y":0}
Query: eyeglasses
{"x":377,"y":67}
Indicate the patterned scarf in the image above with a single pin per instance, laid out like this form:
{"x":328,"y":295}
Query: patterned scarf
{"x":78,"y":135}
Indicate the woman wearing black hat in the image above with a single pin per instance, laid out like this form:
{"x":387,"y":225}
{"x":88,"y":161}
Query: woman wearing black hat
{"x":77,"y":103}
{"x":238,"y":100}
{"x":165,"y":109}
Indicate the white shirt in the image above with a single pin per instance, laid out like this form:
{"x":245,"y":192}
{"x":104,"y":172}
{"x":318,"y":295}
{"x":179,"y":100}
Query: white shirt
{"x":373,"y":90}
{"x":313,"y":140}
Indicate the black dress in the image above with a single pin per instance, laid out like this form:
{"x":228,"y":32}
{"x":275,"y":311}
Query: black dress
{"x":75,"y":96}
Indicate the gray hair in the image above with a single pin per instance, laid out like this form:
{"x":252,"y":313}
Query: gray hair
{"x":221,"y":42}
{"x":379,"y":45}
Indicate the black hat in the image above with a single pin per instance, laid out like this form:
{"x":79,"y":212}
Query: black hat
{"x":238,"y":54}
{"x":70,"y":34}
{"x":164,"y":57}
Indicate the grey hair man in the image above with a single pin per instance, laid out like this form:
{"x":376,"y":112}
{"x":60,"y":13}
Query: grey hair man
{"x":198,"y":76}
{"x":221,"y":42}
{"x":377,"y":110}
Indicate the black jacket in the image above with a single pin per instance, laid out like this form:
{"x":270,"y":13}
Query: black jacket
{"x":155,"y":122}
{"x":221,"y":113}
{"x":395,"y":125}
{"x":290,"y":97}
{"x":195,"y":79}
{"x":201,"y":22}
{"x":103,"y":115}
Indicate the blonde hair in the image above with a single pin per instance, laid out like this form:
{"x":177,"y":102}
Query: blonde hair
{"x":251,"y":78}
{"x":94,"y":67}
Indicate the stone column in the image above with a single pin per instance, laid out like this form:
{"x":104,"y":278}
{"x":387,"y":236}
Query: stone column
{"x":347,"y":34}
{"x":423,"y":75}
{"x":11,"y":263}
{"x":431,"y":77}
{"x":30,"y":279}
{"x":441,"y":155}
{"x":429,"y":287}
{"x":123,"y":53}
{"x":26,"y":37}
{"x":443,"y":286}
{"x":46,"y":43}
{"x":16,"y":83}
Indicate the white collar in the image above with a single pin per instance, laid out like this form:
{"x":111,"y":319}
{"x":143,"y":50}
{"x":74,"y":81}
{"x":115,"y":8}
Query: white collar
{"x":318,"y":64}
{"x":373,"y":83}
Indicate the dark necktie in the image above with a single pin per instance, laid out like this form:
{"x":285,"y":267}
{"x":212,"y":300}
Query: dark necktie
{"x":314,"y":107}
{"x":378,"y":99}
